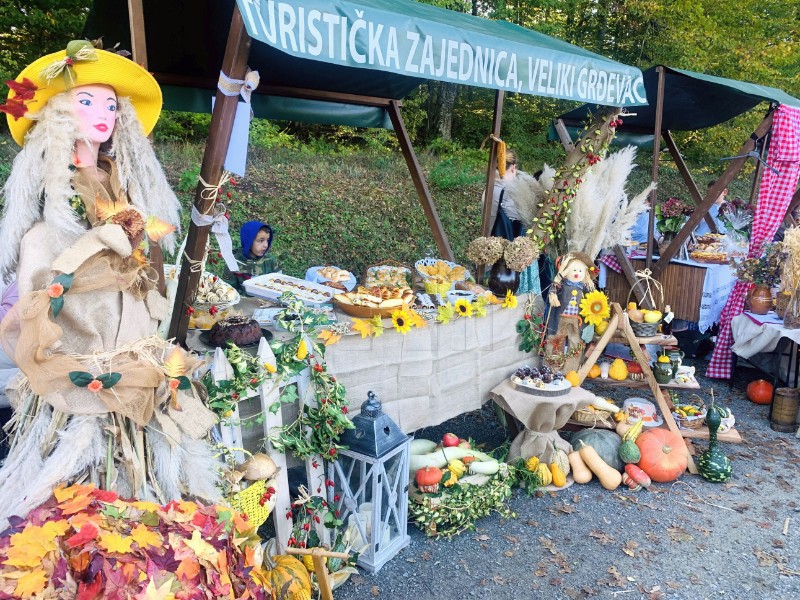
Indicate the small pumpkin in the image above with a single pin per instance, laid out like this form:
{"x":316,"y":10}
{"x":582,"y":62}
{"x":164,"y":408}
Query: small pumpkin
{"x":664,"y":454}
{"x":618,"y":370}
{"x":428,"y":479}
{"x":594,"y":372}
{"x":282,"y":570}
{"x":532,"y":464}
{"x":633,"y":367}
{"x":573,"y":378}
{"x":558,"y":478}
{"x":760,"y":391}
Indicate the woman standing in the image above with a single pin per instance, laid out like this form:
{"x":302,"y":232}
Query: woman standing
{"x":84,"y":200}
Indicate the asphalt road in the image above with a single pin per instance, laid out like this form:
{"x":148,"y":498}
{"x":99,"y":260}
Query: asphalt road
{"x":688,"y":540}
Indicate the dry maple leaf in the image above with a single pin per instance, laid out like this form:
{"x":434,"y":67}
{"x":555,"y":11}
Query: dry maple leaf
{"x":156,"y":229}
{"x":362,"y":327}
{"x":144,"y":537}
{"x":31,"y":583}
{"x":114,"y":542}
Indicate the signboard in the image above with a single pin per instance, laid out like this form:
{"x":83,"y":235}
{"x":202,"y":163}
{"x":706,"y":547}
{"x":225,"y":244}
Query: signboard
{"x":426,"y":42}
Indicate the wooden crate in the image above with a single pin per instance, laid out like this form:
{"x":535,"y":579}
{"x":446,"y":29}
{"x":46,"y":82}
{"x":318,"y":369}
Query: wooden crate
{"x":683,"y":288}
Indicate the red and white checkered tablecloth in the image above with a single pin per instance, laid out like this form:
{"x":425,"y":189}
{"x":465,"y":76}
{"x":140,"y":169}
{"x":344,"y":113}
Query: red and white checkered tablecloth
{"x":773,"y":199}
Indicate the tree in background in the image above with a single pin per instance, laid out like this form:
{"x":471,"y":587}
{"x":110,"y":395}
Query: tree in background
{"x":32,"y":28}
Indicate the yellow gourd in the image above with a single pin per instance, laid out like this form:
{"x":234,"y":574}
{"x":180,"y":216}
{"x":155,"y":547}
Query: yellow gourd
{"x":580,"y":472}
{"x":302,"y":350}
{"x":281,"y":570}
{"x":609,"y":477}
{"x":558,"y":477}
{"x":601,"y":327}
{"x":594,"y":372}
{"x":532,"y":464}
{"x":618,"y":370}
{"x":573,"y":378}
{"x":545,"y":477}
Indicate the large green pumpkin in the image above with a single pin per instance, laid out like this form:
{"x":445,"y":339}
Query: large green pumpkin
{"x":606,"y":443}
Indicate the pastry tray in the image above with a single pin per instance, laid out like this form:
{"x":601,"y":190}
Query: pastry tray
{"x":272,"y":285}
{"x":563,"y":388}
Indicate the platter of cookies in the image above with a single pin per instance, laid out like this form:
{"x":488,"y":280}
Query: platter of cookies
{"x":333,"y":277}
{"x":272,"y":285}
{"x":367,"y":302}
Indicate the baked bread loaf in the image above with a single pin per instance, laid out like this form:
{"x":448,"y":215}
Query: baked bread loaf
{"x":238,"y":330}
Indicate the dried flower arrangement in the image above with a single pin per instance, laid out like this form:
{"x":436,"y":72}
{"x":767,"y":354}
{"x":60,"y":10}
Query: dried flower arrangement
{"x":519,"y":254}
{"x":790,"y":277}
{"x":764,"y":269}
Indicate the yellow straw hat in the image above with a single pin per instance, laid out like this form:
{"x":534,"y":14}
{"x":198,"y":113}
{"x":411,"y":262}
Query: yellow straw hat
{"x":80,"y":64}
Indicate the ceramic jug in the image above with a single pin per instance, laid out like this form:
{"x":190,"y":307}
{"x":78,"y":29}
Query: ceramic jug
{"x":662,"y":372}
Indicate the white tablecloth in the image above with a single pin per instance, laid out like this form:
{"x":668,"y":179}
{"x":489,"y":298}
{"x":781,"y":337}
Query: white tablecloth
{"x":717,"y":286}
{"x":751,"y":338}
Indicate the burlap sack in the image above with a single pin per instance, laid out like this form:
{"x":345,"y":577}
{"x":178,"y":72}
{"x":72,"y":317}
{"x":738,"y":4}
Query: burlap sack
{"x":534,"y":443}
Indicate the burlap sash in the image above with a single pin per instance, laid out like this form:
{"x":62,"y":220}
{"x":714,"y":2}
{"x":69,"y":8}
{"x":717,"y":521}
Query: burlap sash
{"x":35,"y":338}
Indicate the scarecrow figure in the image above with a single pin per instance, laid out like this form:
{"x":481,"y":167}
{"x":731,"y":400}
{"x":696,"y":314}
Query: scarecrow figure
{"x":572,"y":281}
{"x":85,"y":200}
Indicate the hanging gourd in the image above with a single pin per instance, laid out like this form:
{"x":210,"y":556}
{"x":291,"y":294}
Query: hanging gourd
{"x":713,"y":465}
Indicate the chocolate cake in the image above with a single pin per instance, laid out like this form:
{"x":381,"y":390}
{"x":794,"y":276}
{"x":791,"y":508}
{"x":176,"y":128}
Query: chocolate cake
{"x":241,"y":331}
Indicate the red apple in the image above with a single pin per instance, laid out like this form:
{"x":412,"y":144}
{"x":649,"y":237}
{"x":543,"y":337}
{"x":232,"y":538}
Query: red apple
{"x":449,"y":440}
{"x":465,"y":444}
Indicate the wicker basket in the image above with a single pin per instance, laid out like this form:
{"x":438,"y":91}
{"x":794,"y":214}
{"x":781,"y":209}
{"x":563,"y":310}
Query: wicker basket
{"x":647,"y":329}
{"x":693,"y":422}
{"x":248,"y":501}
{"x":592,"y":418}
{"x":782,"y":303}
{"x":389,"y":273}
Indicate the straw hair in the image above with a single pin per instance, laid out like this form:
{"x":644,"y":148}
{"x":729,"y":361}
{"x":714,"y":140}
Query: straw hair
{"x":127,"y":78}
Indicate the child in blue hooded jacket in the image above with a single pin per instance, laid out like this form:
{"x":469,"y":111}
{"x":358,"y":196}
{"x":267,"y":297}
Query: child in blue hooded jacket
{"x":254,"y":258}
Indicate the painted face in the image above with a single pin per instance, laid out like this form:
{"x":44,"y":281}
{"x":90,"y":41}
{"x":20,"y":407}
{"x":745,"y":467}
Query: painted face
{"x":260,"y":244}
{"x":576,"y":271}
{"x":96,"y":108}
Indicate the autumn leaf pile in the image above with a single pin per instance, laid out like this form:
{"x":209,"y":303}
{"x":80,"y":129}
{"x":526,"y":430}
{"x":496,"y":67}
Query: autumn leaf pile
{"x":87,"y":543}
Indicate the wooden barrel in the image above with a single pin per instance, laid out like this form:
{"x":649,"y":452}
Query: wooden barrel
{"x":784,"y":410}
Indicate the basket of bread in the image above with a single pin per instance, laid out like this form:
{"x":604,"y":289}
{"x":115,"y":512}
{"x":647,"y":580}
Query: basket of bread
{"x":366,"y":302}
{"x":709,"y":248}
{"x":438,"y":276}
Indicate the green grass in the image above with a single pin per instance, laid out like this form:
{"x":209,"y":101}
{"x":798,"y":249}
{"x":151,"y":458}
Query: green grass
{"x":358,"y":207}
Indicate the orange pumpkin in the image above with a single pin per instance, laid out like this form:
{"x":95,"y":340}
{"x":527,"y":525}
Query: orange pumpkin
{"x":760,"y":391}
{"x":428,"y":479}
{"x":664,"y":454}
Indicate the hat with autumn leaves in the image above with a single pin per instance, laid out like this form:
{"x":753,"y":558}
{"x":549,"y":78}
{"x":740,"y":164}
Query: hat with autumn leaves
{"x":80,"y":64}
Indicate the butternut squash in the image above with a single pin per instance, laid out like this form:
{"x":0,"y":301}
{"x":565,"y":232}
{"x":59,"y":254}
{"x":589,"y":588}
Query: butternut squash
{"x":622,"y":428}
{"x":580,"y":472}
{"x":609,"y":477}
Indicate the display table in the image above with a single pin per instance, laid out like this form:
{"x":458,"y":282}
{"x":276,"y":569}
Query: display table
{"x":757,"y":336}
{"x":695,"y":291}
{"x":427,"y":376}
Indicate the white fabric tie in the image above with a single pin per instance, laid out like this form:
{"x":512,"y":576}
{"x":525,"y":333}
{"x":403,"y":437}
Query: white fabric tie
{"x":219,"y":227}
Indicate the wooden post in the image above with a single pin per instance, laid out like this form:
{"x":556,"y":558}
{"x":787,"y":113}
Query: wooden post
{"x":423,"y":193}
{"x":722,"y":182}
{"x":563,"y":135}
{"x":139,"y":55}
{"x":687,"y":178}
{"x":488,"y":194}
{"x":651,"y":222}
{"x":318,"y":555}
{"x":234,"y":65}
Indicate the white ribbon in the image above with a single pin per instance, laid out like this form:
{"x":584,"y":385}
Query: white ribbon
{"x":235,"y":87}
{"x":219,"y":227}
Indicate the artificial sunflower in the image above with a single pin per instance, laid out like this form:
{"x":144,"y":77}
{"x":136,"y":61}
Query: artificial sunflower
{"x":594,"y":307}
{"x":402,"y":321}
{"x":463,"y":308}
{"x":510,"y":300}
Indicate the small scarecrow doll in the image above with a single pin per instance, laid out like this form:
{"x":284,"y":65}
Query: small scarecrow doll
{"x":565,"y":325}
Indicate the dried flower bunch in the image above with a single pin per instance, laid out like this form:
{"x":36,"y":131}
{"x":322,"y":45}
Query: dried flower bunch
{"x":764,"y":269}
{"x":518,"y":254}
{"x":790,"y":277}
{"x":486,"y":250}
{"x":670,"y":214}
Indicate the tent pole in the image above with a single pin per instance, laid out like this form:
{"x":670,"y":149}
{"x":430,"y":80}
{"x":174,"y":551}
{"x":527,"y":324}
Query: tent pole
{"x":651,"y":222}
{"x":563,"y":135}
{"x":234,"y":65}
{"x":139,"y":55}
{"x":417,"y":176}
{"x":722,"y":182}
{"x":486,"y":212}
{"x":687,"y":177}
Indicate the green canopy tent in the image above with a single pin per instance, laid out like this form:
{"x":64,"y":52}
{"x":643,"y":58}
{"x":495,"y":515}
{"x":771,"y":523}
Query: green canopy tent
{"x":342,"y":61}
{"x":688,"y":101}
